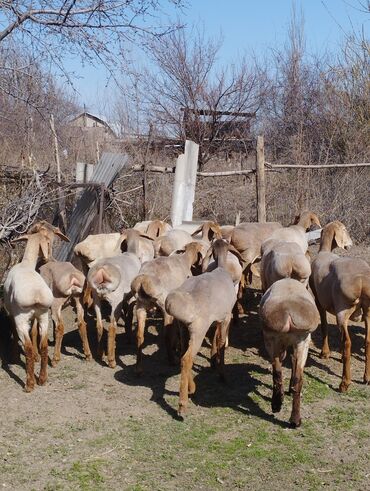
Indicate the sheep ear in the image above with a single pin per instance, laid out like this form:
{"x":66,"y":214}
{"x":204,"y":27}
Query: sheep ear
{"x":339,"y":238}
{"x":296,"y":219}
{"x":45,"y":248}
{"x":21,"y":237}
{"x":315,"y":219}
{"x":236,"y":253}
{"x":197,"y":231}
{"x":217,"y":230}
{"x":206,"y":259}
{"x":178,"y":251}
{"x":146,"y":237}
{"x":254,"y":270}
{"x":60,"y":234}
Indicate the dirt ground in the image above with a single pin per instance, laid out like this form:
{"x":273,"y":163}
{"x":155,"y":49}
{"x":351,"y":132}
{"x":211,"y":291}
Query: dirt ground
{"x":95,"y":428}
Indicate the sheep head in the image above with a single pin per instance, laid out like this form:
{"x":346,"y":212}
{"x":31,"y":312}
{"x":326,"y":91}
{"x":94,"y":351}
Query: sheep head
{"x":333,"y":235}
{"x":210,"y":230}
{"x":306,"y":219}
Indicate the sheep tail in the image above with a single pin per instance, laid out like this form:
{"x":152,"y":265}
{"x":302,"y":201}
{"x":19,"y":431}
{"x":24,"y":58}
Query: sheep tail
{"x":143,"y":286}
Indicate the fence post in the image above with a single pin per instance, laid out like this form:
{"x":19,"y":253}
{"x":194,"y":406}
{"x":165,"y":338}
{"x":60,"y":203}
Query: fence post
{"x":260,"y":181}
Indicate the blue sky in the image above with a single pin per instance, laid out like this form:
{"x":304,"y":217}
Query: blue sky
{"x":248,"y":25}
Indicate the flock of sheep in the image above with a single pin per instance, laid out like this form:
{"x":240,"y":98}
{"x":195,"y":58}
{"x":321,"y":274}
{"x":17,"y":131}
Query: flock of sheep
{"x":195,"y":280}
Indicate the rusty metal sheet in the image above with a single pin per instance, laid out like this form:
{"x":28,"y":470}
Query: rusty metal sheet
{"x":86,"y":208}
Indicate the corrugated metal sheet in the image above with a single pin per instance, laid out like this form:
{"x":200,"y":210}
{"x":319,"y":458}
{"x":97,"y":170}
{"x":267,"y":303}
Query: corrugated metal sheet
{"x":86,"y":207}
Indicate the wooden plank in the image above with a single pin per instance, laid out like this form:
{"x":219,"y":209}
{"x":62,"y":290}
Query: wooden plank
{"x":87,"y":205}
{"x":315,"y":166}
{"x":260,"y":181}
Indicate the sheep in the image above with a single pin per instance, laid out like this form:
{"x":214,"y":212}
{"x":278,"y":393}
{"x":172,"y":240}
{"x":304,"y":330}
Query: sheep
{"x":155,"y":280}
{"x":66,"y":282}
{"x":225,"y":256}
{"x":209,"y":230}
{"x":341,"y":286}
{"x":289,"y":315}
{"x":141,"y":245}
{"x":283,"y":260}
{"x":175,"y":239}
{"x":297,"y":232}
{"x":247,"y":239}
{"x":153,"y":228}
{"x":97,"y":246}
{"x":110,"y":279}
{"x":27,"y":298}
{"x":226,"y":231}
{"x":196,"y":304}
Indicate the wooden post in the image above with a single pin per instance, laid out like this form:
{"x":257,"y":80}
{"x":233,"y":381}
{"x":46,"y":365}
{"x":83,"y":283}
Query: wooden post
{"x":61,"y":199}
{"x":101,"y":207}
{"x":260,"y":181}
{"x":145,"y":175}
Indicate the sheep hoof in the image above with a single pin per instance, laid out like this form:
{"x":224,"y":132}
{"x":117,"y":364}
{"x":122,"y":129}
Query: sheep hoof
{"x":276,"y":404}
{"x":88,"y":357}
{"x":42,"y":380}
{"x":112,"y":364}
{"x":295,"y":423}
{"x":54,"y":362}
{"x":343,"y":387}
{"x":29,"y":388}
{"x":181,"y":412}
{"x":325,"y":355}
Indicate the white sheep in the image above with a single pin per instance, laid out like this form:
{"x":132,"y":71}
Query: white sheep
{"x":175,"y":239}
{"x":341,"y":286}
{"x":297,"y":232}
{"x":153,"y":228}
{"x":282,"y":259}
{"x":289,"y":315}
{"x":133,"y":241}
{"x":155,"y":280}
{"x":27,"y":298}
{"x":66,"y":282}
{"x":196,"y":304}
{"x":110,"y":279}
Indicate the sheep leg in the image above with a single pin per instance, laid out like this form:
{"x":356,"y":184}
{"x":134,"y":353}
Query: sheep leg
{"x":99,"y":327}
{"x":342,"y":322}
{"x":87,"y":297}
{"x":129,"y":315}
{"x":112,"y":330}
{"x":141,"y":318}
{"x":300,"y":357}
{"x":239,"y":301}
{"x":43,"y":326}
{"x":23,"y":331}
{"x":34,"y":333}
{"x":112,"y":344}
{"x":292,"y":376}
{"x":221,"y":345}
{"x":56,"y":314}
{"x":278,"y":388}
{"x":325,"y":350}
{"x":82,"y":328}
{"x":367,"y":345}
{"x":187,"y":384}
{"x":170,"y":337}
{"x":214,"y":353}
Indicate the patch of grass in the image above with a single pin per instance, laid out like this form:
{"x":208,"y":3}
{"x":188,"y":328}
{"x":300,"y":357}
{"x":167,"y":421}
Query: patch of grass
{"x":341,"y":419}
{"x":314,"y":389}
{"x":86,"y":475}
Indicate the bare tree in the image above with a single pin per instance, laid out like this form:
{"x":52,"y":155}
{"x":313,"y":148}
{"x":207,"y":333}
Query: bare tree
{"x":187,"y":95}
{"x":94,"y":30}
